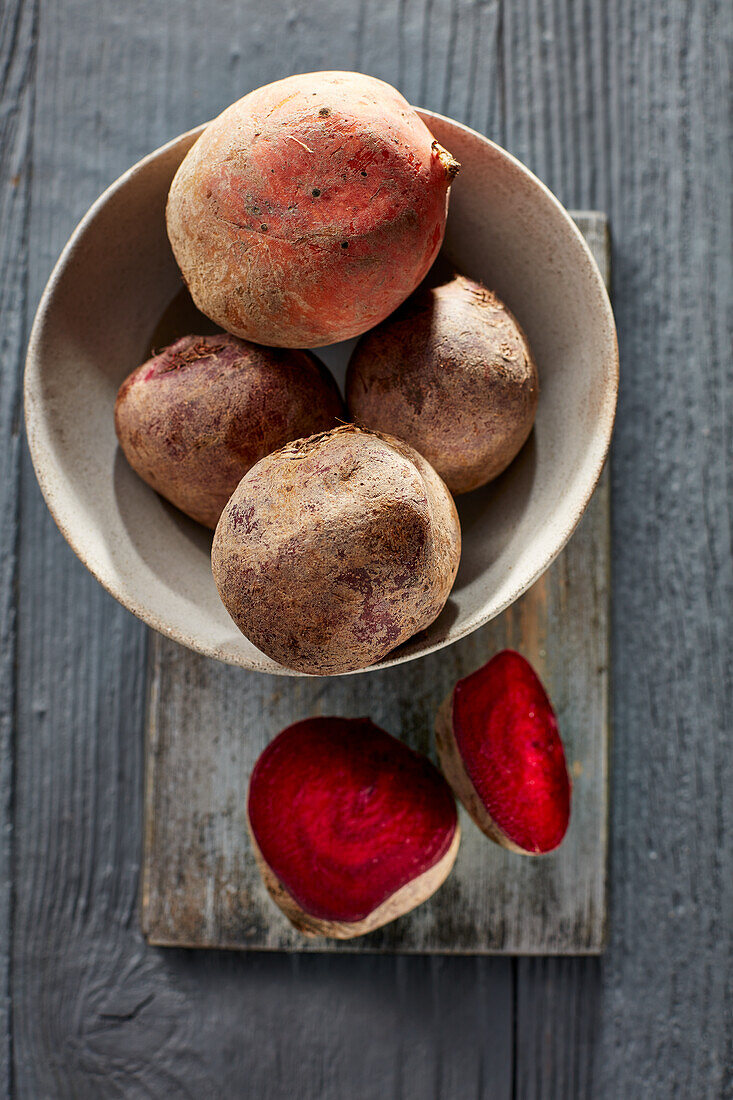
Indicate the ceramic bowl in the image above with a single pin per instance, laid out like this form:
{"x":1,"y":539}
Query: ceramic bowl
{"x":116,"y":292}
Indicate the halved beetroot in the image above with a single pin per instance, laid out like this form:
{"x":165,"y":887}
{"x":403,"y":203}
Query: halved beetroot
{"x":350,"y":827}
{"x":500,"y":750}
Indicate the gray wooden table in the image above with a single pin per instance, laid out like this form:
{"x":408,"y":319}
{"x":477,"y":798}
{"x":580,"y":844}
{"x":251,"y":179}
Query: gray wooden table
{"x":621,"y":106}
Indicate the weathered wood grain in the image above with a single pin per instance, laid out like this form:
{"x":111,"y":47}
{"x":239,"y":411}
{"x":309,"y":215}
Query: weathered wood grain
{"x":207,"y":724}
{"x":17,"y":71}
{"x":622,"y":107}
{"x":627,"y":106}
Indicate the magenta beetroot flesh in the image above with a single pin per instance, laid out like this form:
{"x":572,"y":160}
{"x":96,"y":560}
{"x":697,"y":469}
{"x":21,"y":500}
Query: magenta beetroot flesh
{"x":345,"y":815}
{"x":506,"y":733}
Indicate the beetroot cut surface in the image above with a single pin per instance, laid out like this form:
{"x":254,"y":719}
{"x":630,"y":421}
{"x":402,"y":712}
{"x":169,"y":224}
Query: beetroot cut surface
{"x":506,"y":733}
{"x":345,"y":815}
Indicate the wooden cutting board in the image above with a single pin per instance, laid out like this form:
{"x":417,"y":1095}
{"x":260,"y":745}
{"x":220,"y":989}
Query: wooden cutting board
{"x":207,"y":723}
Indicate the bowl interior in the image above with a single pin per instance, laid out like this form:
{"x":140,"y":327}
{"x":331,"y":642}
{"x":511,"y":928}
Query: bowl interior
{"x":116,"y":293}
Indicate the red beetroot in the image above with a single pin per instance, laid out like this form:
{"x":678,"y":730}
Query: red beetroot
{"x":452,"y":374}
{"x":198,"y":415}
{"x":501,"y":752}
{"x":308,"y":210}
{"x":350,"y":828}
{"x":336,"y":549}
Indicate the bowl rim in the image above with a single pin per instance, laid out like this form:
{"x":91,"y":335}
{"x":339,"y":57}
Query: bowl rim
{"x":42,"y":463}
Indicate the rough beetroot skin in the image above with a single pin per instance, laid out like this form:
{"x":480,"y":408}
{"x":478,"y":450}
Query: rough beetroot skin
{"x":506,"y":742}
{"x":198,"y":415}
{"x":344,"y":817}
{"x":309,"y":209}
{"x":335,"y":549}
{"x":452,"y":374}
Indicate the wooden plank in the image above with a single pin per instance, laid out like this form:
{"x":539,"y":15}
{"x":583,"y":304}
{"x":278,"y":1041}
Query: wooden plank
{"x":627,"y":106}
{"x":17,"y":76}
{"x":207,"y":724}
